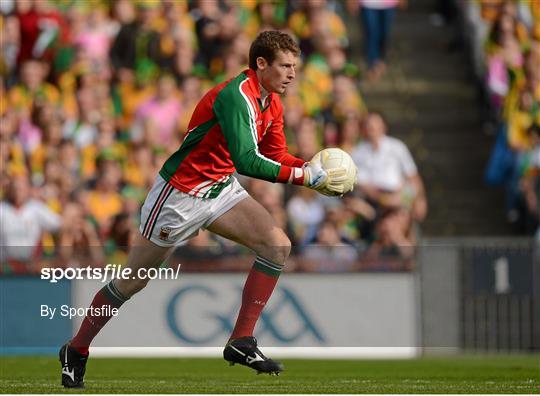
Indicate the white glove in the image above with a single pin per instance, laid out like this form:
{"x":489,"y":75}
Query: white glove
{"x":314,"y":175}
{"x":327,"y":182}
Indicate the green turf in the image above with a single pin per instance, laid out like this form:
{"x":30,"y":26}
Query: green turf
{"x":470,"y":374}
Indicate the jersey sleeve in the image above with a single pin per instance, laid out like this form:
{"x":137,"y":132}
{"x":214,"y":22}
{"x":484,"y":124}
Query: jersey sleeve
{"x":236,"y":116}
{"x":274,"y":145}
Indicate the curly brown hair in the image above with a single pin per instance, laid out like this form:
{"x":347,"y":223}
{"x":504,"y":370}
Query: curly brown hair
{"x":268,"y":43}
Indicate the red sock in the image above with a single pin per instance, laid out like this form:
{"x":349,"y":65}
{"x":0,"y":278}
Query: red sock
{"x":258,"y":288}
{"x":109,"y":296}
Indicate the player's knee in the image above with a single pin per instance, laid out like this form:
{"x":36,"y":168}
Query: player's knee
{"x":284,"y":248}
{"x":277,"y":248}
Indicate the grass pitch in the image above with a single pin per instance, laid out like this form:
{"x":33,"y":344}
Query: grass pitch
{"x":468,"y":374}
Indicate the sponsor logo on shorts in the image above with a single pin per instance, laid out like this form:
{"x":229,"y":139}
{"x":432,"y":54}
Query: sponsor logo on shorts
{"x":164,"y":233}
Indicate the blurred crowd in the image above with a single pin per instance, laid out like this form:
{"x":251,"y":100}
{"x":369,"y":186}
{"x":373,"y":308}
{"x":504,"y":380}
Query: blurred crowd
{"x":506,"y":46}
{"x":96,"y":94}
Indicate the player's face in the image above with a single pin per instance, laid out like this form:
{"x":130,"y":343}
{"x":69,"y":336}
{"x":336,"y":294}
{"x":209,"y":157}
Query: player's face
{"x":277,"y":76}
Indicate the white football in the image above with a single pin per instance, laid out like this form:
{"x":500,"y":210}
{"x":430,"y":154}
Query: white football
{"x":335,"y":158}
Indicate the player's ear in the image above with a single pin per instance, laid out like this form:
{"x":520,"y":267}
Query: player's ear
{"x":261,"y":63}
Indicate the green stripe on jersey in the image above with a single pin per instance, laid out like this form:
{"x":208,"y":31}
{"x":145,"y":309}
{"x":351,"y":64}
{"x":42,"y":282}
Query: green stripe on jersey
{"x":193,"y":138}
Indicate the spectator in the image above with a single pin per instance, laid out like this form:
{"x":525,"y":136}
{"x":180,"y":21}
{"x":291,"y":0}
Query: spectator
{"x":123,"y":12}
{"x":365,"y":216}
{"x":387,"y":174}
{"x":13,"y":156}
{"x":314,"y":20}
{"x":32,"y":86}
{"x":68,"y":158}
{"x":343,"y":219}
{"x":57,"y":186}
{"x":349,"y":131}
{"x":347,"y":103}
{"x":307,"y":141}
{"x":47,"y":147}
{"x":512,"y":55}
{"x":137,"y":170}
{"x":137,"y":45}
{"x":306,"y":213}
{"x":23,"y":221}
{"x":329,"y":253}
{"x":191,"y":91}
{"x":184,"y":56}
{"x":95,"y":37}
{"x":79,"y":244}
{"x":234,"y":58}
{"x":505,"y":57}
{"x":214,"y":29}
{"x":377,"y":17}
{"x":82,"y":130}
{"x":40,"y":24}
{"x":30,"y":130}
{"x":521,"y":142}
{"x":104,"y":202}
{"x":317,"y":77}
{"x":3,"y":104}
{"x":392,"y":247}
{"x":10,"y":42}
{"x":162,"y":111}
{"x":271,"y":15}
{"x":530,"y":185}
{"x":293,"y":109}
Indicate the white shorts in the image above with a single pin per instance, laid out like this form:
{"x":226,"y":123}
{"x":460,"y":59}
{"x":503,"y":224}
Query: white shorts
{"x":170,"y":216}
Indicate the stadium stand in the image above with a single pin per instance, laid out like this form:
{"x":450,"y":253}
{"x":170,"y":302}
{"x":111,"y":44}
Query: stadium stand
{"x":505,"y":43}
{"x":97,"y":94}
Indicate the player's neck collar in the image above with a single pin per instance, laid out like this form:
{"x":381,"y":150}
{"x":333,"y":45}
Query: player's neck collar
{"x":256,"y":84}
{"x":264,"y":94}
{"x":264,"y":97}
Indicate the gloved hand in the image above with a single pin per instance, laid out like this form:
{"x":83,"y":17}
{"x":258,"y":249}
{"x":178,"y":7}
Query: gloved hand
{"x":314,"y":175}
{"x":327,"y":182}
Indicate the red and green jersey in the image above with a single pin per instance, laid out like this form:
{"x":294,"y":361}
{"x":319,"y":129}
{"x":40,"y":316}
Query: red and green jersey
{"x":231,"y":130}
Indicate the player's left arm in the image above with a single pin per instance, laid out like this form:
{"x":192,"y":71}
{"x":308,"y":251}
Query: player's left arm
{"x":273,"y":145}
{"x":235,"y":114}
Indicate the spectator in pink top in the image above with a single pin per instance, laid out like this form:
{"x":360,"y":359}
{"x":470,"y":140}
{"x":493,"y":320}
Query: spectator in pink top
{"x":95,"y":37}
{"x":505,"y":56}
{"x":162,"y":111}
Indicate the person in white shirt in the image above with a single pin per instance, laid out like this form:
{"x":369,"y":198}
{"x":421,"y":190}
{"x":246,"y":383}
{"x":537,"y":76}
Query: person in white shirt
{"x":305,"y":212}
{"x":23,"y":221}
{"x":387,"y":174}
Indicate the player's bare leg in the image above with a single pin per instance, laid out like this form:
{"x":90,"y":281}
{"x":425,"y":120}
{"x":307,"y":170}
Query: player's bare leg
{"x":143,"y":254}
{"x":73,"y":355}
{"x":250,"y":224}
